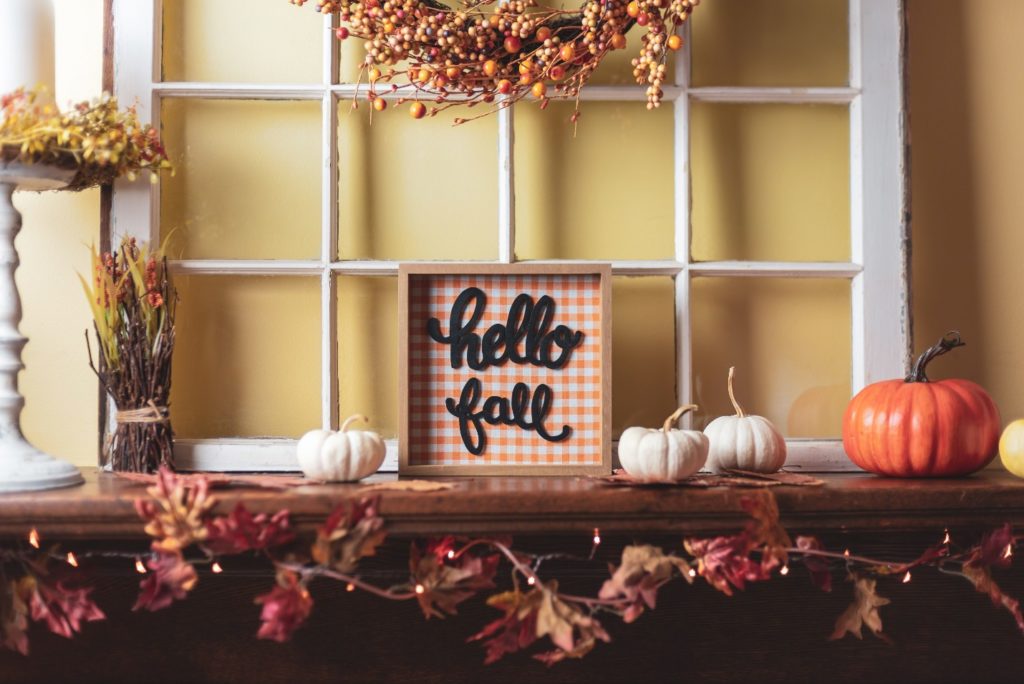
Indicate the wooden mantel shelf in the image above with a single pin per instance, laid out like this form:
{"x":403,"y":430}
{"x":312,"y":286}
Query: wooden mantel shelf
{"x":103,"y":507}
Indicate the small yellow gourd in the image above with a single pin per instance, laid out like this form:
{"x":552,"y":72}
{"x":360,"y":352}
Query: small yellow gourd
{"x":743,"y":442}
{"x":342,"y":456}
{"x":1011,"y":448}
{"x":663,"y":455}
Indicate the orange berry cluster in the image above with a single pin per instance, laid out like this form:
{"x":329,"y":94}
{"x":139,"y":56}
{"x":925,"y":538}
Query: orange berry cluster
{"x":479,"y":53}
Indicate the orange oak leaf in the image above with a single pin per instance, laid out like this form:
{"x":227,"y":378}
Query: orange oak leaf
{"x":14,"y":612}
{"x":570,"y":629}
{"x":863,"y":611}
{"x":176,"y":512}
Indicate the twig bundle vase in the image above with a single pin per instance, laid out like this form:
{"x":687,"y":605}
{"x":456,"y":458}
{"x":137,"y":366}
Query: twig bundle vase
{"x":133,"y":306}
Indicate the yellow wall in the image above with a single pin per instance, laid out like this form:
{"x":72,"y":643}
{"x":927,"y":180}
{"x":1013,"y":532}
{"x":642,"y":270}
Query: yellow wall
{"x":966,"y":95}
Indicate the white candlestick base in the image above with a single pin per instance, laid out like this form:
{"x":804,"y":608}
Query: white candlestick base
{"x":22,"y":466}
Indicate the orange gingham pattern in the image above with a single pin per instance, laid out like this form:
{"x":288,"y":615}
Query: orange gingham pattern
{"x":576,"y":388}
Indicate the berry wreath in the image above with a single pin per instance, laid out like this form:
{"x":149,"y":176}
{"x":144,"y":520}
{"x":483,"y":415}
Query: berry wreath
{"x":476,"y":54}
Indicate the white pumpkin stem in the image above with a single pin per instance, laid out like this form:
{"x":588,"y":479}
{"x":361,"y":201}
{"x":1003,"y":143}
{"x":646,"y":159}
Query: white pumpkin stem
{"x":676,"y":415}
{"x":732,"y":395}
{"x":350,"y":419}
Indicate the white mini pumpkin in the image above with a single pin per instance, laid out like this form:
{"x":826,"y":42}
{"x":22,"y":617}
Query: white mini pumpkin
{"x":743,"y":442}
{"x":665,"y":454}
{"x":341,"y":456}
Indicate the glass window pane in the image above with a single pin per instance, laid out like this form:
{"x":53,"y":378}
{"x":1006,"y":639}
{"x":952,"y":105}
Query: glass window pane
{"x":789,"y":340}
{"x":616,"y":67}
{"x":351,"y":54}
{"x":368,"y":350}
{"x":242,"y":41}
{"x":778,"y":43}
{"x":411,"y":189}
{"x":643,"y":352}
{"x":247,"y":191}
{"x":770,"y":182}
{"x":247,"y":360}
{"x":606,"y":193}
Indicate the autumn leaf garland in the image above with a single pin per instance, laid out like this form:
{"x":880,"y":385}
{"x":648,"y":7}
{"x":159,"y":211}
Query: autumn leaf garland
{"x":535,"y":614}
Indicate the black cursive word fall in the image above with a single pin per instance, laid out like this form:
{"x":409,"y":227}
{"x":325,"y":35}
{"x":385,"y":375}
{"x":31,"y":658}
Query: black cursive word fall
{"x":525,"y":338}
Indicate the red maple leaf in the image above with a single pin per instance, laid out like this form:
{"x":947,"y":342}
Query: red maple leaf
{"x":241,"y":531}
{"x":994,"y":550}
{"x":170,"y":578}
{"x":349,"y":534}
{"x":515,"y":630}
{"x":442,"y":582}
{"x":62,"y":608}
{"x":285,"y":607}
{"x":818,"y":567}
{"x":725,"y":562}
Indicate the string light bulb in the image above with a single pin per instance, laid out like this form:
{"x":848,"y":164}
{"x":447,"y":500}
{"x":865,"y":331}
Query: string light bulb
{"x":451,"y":554}
{"x":945,"y":540}
{"x":784,"y":571}
{"x":72,"y":561}
{"x":846,"y":553}
{"x":420,"y":589}
{"x":531,"y":580}
{"x":139,"y":567}
{"x":1009,"y":551}
{"x":350,"y":587}
{"x":906,"y":578}
{"x":216,"y":568}
{"x":691,"y":572}
{"x":597,"y":536}
{"x":33,"y":538}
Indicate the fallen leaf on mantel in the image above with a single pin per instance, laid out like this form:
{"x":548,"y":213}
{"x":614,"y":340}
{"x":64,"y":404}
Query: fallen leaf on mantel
{"x":735,"y":478}
{"x":224,"y":480}
{"x":409,"y":486}
{"x":782,"y":477}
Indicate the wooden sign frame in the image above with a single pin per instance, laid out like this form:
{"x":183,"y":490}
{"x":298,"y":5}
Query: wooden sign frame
{"x":408,"y":274}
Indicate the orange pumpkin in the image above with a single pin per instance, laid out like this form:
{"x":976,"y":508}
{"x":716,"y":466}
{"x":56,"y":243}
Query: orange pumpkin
{"x":918,"y":428}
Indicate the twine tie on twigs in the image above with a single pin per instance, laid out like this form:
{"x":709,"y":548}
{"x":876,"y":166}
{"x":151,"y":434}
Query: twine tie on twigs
{"x":147,"y":414}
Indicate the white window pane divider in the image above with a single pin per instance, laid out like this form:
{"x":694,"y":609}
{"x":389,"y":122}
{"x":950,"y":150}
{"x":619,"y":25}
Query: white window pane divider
{"x":329,"y":385}
{"x":877,"y":269}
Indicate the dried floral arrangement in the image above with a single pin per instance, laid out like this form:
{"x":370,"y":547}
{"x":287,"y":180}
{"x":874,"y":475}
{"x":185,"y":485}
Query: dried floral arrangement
{"x":133,"y":304}
{"x":187,"y":535}
{"x":475,"y":53}
{"x":97,"y":140}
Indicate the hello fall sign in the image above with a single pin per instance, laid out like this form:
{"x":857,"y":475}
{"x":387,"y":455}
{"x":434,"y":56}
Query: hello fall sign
{"x":505,"y":369}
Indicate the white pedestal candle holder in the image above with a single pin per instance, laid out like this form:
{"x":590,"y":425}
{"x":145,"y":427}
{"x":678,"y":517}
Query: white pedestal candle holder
{"x":22,"y":466}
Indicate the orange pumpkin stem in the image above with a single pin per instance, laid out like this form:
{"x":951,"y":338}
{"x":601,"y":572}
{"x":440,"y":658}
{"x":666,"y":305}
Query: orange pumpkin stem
{"x":676,"y":415}
{"x":948,"y":343}
{"x":732,"y":395}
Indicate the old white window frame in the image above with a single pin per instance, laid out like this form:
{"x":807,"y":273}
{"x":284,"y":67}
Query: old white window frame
{"x":878,"y":218}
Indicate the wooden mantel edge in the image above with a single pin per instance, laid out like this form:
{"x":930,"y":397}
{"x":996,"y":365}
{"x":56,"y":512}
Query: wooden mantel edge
{"x":104,"y":507}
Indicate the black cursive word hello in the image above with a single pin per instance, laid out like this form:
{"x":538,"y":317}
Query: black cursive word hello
{"x":501,"y":411}
{"x":527,"y":323}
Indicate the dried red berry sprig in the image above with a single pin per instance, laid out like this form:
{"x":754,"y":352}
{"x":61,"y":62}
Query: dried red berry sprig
{"x":482,"y":53}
